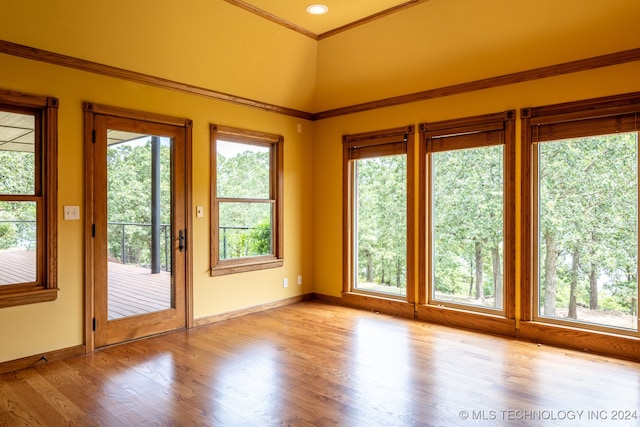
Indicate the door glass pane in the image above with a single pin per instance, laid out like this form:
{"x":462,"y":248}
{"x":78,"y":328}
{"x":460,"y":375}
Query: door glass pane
{"x":17,"y":157}
{"x":381,"y":224}
{"x":139,"y":224}
{"x":245,"y":229}
{"x":17,"y":242}
{"x":468,"y":224}
{"x":588,"y":230}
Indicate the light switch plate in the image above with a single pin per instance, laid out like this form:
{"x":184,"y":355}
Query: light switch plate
{"x":72,"y":212}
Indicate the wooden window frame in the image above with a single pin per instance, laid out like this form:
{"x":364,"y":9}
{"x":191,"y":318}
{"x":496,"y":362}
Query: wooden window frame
{"x":276,"y":190}
{"x":457,"y":134}
{"x":618,"y":113}
{"x":367,"y":145}
{"x":45,"y":110}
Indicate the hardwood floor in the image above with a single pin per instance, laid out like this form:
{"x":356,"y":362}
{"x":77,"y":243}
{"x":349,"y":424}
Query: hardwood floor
{"x":311,"y":364}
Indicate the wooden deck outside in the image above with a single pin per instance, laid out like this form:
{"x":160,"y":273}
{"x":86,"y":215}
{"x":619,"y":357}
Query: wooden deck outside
{"x":17,"y":267}
{"x":132,"y":290}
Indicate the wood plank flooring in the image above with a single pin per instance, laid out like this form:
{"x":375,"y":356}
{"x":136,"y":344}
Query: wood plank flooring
{"x":311,"y":364}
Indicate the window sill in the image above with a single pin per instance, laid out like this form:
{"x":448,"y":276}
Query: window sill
{"x":478,"y":321}
{"x":242,"y":267}
{"x":379,"y":303}
{"x":606,"y":343}
{"x":14,"y":297}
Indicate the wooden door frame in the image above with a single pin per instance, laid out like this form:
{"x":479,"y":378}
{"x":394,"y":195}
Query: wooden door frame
{"x":90,"y":111}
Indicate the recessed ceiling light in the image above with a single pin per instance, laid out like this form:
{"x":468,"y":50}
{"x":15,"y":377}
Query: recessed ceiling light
{"x":317,"y":9}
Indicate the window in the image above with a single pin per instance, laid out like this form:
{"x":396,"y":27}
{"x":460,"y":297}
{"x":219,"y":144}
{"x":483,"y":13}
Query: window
{"x":467,"y":211}
{"x":378,"y":213}
{"x":247,"y":196}
{"x":581,"y":220}
{"x":28,"y":186}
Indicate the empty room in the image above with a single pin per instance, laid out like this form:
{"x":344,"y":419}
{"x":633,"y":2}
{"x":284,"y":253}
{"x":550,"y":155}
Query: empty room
{"x":382,"y":212}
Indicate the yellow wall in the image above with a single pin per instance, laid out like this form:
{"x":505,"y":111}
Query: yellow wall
{"x":328,"y":143}
{"x":38,"y":328}
{"x":445,"y":42}
{"x":221,"y":47}
{"x":208,"y":43}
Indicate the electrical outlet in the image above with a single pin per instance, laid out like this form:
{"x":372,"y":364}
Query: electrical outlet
{"x":300,"y":280}
{"x":285,"y":283}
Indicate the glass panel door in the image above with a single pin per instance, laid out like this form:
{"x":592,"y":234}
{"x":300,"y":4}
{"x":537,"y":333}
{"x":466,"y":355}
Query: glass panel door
{"x":139,"y":215}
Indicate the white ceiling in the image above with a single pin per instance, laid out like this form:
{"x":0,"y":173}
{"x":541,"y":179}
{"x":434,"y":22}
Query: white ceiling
{"x":341,"y":12}
{"x":16,"y":131}
{"x":119,"y":136}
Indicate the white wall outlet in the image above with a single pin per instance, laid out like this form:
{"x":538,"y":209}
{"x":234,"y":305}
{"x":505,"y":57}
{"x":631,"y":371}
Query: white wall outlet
{"x":199,"y":211}
{"x":300,"y":280}
{"x":285,"y":283}
{"x":72,"y":212}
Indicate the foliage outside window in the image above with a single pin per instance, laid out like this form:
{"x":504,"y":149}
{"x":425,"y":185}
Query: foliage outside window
{"x":465,"y":165}
{"x":377,"y":216}
{"x":585,"y":217}
{"x":246,"y":200}
{"x":467,"y":226}
{"x":129,"y":201}
{"x":28,"y":180}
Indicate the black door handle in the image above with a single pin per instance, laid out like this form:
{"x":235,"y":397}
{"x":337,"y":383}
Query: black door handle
{"x":181,"y":241}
